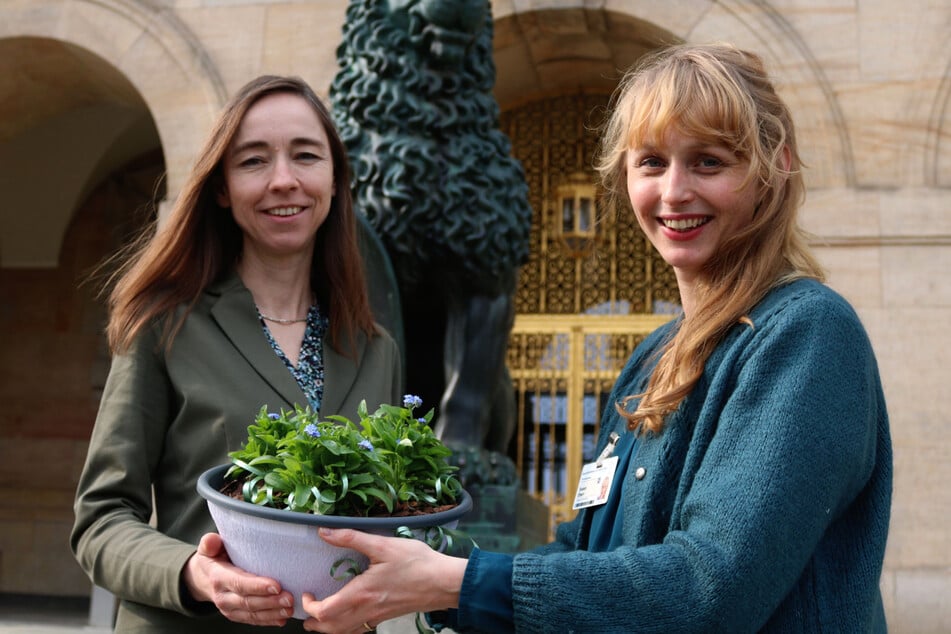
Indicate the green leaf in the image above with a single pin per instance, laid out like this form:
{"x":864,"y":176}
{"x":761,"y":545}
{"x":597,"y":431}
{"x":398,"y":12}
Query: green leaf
{"x":380,"y":495}
{"x":285,"y":467}
{"x":345,"y":569}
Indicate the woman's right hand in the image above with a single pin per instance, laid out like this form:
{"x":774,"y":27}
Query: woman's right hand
{"x":240,"y":596}
{"x":404,"y":576}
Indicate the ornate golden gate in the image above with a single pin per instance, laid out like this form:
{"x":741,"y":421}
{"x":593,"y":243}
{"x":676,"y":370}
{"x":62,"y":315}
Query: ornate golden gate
{"x":590,"y":292}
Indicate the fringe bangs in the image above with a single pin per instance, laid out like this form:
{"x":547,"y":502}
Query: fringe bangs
{"x":705,"y":103}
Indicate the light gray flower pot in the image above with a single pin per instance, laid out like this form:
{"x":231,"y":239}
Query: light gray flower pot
{"x":284,"y":545}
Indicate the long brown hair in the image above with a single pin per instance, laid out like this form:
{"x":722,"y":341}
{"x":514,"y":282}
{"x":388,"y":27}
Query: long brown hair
{"x":722,"y":95}
{"x":171,"y":266}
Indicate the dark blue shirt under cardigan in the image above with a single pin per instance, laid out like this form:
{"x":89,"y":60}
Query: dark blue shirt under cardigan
{"x":764,"y":506}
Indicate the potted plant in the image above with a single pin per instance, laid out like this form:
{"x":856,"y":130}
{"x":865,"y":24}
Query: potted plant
{"x":386,"y":475}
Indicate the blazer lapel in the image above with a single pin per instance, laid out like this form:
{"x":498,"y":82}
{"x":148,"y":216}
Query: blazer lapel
{"x":235,"y":315}
{"x":340,"y":375}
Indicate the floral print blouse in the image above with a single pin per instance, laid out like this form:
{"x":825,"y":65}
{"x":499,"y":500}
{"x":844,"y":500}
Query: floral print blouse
{"x":309,"y":372}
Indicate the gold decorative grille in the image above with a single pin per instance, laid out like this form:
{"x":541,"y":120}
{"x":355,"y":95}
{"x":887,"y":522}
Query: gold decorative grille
{"x":563,"y":368}
{"x":577,"y":318}
{"x":555,"y":138}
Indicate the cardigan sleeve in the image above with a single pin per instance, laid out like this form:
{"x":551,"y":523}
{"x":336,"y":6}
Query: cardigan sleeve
{"x":785,"y":421}
{"x":485,"y":599}
{"x":111,"y":536}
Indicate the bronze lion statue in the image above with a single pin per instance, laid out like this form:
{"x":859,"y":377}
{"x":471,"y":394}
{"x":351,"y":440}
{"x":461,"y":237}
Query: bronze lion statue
{"x":434,"y":177}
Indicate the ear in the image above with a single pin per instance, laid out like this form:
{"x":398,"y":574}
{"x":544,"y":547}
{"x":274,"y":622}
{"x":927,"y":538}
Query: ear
{"x":785,"y":158}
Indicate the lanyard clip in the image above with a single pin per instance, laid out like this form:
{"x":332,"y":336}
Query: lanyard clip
{"x":609,"y":448}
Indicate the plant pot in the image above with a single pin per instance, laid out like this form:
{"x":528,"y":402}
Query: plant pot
{"x":284,"y":545}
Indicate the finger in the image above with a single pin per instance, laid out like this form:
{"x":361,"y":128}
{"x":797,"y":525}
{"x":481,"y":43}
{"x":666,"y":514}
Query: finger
{"x":341,"y":536}
{"x":268,"y":618}
{"x":258,"y":610}
{"x":365,"y":543}
{"x":275,"y":603}
{"x":258,"y":617}
{"x":245,"y":584}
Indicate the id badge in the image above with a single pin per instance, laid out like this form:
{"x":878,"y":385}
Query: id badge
{"x":595,"y":483}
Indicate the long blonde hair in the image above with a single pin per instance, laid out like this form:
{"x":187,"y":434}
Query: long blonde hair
{"x":721,"y":95}
{"x":200,"y":241}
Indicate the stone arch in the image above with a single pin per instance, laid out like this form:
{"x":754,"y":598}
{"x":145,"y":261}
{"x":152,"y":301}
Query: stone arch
{"x":596,"y":44}
{"x":152,"y":48}
{"x":68,"y":119}
{"x":937,"y":159}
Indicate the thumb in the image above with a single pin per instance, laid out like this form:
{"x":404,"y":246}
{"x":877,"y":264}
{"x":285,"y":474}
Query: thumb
{"x":211,"y":545}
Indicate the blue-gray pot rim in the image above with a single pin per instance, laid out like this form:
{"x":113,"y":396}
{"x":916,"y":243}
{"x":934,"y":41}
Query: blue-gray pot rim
{"x":211,"y":481}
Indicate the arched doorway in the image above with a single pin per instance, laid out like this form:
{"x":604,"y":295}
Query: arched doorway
{"x":587,"y":272}
{"x":557,"y":61}
{"x":82,"y":166}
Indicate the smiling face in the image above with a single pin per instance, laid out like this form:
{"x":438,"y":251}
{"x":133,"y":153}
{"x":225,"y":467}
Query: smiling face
{"x":688,"y":196}
{"x":278,"y":178}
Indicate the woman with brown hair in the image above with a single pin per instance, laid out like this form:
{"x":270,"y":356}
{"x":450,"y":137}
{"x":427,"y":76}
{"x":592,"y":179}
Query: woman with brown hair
{"x":750,"y":438}
{"x":251,"y":293}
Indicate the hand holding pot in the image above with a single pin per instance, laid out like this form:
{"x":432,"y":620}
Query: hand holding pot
{"x":240,"y":596}
{"x":404,"y":576}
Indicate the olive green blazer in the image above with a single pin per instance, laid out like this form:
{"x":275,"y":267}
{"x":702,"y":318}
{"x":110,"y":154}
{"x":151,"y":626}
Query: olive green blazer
{"x":165,"y":417}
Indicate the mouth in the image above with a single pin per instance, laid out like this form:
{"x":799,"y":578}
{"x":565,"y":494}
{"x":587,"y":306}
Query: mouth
{"x":283,"y":211}
{"x":683,"y":225}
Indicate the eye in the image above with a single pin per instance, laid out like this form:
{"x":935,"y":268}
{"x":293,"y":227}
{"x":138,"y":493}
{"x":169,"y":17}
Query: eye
{"x":650,"y":162}
{"x":250,"y":161}
{"x":709,"y":162}
{"x":307,"y":156}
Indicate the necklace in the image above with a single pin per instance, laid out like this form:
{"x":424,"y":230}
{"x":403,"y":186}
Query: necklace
{"x":283,"y":322}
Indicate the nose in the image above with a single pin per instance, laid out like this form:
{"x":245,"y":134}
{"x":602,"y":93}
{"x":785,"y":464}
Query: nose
{"x":677,"y":187}
{"x":283,"y":175}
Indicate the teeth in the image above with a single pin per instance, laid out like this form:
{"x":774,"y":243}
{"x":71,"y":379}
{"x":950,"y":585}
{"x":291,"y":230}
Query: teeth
{"x":683,"y":224}
{"x":284,"y":211}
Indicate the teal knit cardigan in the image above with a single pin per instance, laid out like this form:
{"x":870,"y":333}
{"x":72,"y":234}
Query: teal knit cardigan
{"x":765,"y":503}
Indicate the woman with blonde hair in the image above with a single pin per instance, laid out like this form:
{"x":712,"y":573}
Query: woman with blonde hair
{"x":749,"y":446}
{"x":251,"y":293}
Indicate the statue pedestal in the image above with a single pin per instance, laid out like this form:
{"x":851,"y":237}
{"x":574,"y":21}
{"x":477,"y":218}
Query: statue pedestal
{"x":492,"y":521}
{"x":532,"y":517}
{"x":504,"y":518}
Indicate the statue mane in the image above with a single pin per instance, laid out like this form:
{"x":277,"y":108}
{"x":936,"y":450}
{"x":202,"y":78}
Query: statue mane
{"x":431,"y":170}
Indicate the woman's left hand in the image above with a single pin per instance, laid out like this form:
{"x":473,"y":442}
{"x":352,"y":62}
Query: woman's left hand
{"x":404,"y":576}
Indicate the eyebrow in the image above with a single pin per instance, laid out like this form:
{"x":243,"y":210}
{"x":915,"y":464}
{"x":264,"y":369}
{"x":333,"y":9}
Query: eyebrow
{"x":700,"y":146}
{"x":297,"y":141}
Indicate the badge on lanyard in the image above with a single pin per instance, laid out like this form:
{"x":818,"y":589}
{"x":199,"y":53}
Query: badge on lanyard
{"x":596,"y":477}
